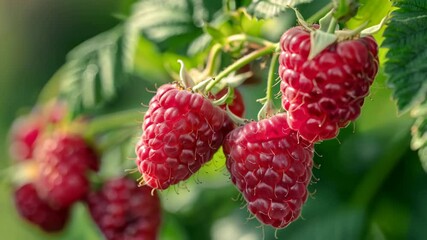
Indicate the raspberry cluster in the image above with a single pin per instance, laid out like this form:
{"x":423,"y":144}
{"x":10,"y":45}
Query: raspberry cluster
{"x":59,"y":162}
{"x":270,"y":160}
{"x":323,"y":94}
{"x":25,"y":139}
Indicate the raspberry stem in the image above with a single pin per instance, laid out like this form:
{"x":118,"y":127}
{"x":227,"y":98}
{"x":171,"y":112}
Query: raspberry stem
{"x":270,"y":79}
{"x":213,"y":56}
{"x":332,"y":25}
{"x":319,"y":14}
{"x":268,"y":108}
{"x":248,"y":38}
{"x":242,"y":62}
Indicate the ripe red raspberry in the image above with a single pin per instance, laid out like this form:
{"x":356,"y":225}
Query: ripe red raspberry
{"x":122,"y":210}
{"x":271,"y":166}
{"x":325,"y":93}
{"x":34,"y":209}
{"x":237,"y":107}
{"x":181,"y":131}
{"x":64,"y":161}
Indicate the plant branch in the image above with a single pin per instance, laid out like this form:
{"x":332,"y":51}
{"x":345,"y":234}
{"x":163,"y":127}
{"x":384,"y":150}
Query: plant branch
{"x":319,"y":14}
{"x":248,"y":38}
{"x":213,"y":55}
{"x":241,"y":62}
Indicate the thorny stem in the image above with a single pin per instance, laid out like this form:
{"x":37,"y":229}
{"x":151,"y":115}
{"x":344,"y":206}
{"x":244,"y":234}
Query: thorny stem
{"x":240,"y":63}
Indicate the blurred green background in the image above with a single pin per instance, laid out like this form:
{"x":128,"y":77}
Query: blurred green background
{"x":369,"y":185}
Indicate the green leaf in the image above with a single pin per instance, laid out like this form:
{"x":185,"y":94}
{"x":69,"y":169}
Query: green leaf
{"x":272,"y":8}
{"x":405,"y":37}
{"x":94,"y":71}
{"x":199,"y":44}
{"x":165,"y":22}
{"x":419,"y":139}
{"x":214,"y":32}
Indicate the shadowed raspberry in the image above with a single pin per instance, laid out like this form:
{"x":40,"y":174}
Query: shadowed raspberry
{"x":64,"y":161}
{"x":122,"y":210}
{"x":326,"y":93}
{"x":271,"y":166}
{"x":31,"y":207}
{"x":181,"y":132}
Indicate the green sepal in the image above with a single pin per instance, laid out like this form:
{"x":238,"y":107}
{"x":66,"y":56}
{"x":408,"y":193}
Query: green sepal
{"x":319,"y":41}
{"x":185,"y":78}
{"x":374,"y":29}
{"x":325,"y":21}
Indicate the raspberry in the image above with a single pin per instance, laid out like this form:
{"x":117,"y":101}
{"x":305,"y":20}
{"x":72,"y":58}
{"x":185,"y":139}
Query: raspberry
{"x":237,"y":107}
{"x":122,"y":210}
{"x":181,"y":132}
{"x":26,"y":129}
{"x":23,"y":135}
{"x":31,"y":207}
{"x":326,"y":93}
{"x":271,"y":166}
{"x":64,"y":160}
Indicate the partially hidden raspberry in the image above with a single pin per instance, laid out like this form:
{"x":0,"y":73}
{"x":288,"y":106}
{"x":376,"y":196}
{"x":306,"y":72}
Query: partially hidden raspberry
{"x":271,"y":167}
{"x":181,"y":131}
{"x":327,"y":92}
{"x":64,"y":161}
{"x":23,"y":135}
{"x":37,"y":211}
{"x":237,"y":107}
{"x":122,"y":210}
{"x":26,"y":129}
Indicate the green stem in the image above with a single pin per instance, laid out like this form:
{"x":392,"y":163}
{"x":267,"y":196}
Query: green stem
{"x":268,"y":108}
{"x":240,"y":63}
{"x":248,"y":38}
{"x":319,"y":14}
{"x":373,"y":180}
{"x":213,"y":55}
{"x":270,"y":79}
{"x":112,"y":121}
{"x":332,"y":25}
